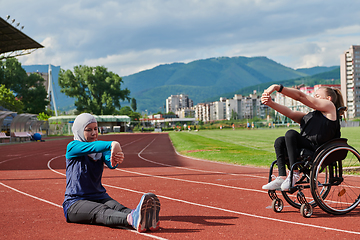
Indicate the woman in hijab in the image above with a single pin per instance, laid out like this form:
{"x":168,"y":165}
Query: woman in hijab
{"x":86,"y":200}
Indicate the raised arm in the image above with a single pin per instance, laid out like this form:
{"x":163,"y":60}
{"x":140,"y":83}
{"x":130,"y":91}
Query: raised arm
{"x":320,"y":103}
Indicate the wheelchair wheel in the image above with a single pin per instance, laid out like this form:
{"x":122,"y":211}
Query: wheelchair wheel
{"x":336,"y":170}
{"x":277,"y":205}
{"x":306,"y":210}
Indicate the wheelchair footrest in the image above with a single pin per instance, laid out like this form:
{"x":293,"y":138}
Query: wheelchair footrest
{"x":272,"y":194}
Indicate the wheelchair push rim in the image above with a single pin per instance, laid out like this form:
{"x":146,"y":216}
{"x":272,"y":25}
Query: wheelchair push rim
{"x":342,"y":183}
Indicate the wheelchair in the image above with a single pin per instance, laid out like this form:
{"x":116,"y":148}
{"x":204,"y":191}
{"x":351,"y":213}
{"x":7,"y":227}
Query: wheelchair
{"x":329,"y":178}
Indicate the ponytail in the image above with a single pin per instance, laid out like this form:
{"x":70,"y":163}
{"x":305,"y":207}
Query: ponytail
{"x":336,"y":98}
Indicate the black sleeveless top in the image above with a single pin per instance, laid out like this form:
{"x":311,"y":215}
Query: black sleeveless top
{"x":318,"y":128}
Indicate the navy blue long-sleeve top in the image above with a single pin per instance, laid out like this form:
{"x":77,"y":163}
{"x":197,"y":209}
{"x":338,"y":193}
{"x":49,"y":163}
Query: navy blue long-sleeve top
{"x":83,"y":174}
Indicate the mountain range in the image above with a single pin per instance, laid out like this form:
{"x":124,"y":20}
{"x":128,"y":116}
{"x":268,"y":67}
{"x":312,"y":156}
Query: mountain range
{"x":203,"y":80}
{"x":208,"y":79}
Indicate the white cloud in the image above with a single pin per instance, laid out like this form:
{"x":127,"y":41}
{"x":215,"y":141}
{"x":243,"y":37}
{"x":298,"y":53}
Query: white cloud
{"x":132,"y":62}
{"x":48,"y":55}
{"x":132,"y":35}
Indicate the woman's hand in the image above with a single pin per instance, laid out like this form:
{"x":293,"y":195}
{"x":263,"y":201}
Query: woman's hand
{"x":272,"y":88}
{"x":266,"y":98}
{"x":117,"y":155}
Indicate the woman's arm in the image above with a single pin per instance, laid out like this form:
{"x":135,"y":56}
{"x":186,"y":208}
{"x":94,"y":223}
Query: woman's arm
{"x":323,"y":105}
{"x":77,"y":148}
{"x":294,"y":115}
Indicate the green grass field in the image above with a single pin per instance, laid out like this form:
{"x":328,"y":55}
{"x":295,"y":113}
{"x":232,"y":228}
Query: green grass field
{"x":244,"y":147}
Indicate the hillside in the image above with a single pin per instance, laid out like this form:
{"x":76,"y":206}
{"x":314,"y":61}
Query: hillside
{"x":202,"y":79}
{"x":316,"y":70}
{"x":330,"y":77}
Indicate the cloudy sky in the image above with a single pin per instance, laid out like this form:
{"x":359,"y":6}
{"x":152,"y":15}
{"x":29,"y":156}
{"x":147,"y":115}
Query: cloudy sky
{"x":128,"y":36}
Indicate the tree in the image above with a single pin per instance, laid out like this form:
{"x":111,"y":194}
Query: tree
{"x":9,"y":101}
{"x":43,"y":116}
{"x":125,"y":111}
{"x":97,"y":90}
{"x":29,"y":89}
{"x":135,"y":116}
{"x":133,"y":104}
{"x":35,"y":97}
{"x":234,"y":115}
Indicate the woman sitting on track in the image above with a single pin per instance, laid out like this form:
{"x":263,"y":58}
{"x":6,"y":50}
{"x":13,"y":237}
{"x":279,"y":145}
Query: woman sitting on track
{"x":86,"y":200}
{"x":317,"y":127}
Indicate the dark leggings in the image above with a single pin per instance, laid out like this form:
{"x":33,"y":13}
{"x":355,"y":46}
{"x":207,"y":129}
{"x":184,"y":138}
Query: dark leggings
{"x":289,"y":146}
{"x":105,"y":212}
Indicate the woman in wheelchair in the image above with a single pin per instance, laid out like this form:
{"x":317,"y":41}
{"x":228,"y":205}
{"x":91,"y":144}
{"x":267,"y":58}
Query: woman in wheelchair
{"x":316,"y":127}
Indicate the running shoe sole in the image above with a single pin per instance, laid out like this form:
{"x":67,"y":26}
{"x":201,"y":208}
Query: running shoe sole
{"x":146,"y":207}
{"x":153,"y":221}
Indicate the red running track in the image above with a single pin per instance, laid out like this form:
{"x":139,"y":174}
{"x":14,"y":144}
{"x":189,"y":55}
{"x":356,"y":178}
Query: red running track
{"x":199,"y":199}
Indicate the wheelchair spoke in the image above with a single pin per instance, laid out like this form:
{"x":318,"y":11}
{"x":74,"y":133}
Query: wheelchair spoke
{"x":343,"y":183}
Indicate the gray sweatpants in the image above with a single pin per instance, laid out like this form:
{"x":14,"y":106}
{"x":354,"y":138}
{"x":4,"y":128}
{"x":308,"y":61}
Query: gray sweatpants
{"x":106,"y":212}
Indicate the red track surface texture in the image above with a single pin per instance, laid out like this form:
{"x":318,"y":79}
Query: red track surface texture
{"x":199,"y":199}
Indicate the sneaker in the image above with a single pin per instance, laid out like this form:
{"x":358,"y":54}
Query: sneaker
{"x":285,"y":186}
{"x":274,"y":185}
{"x":153,"y":221}
{"x":141,"y":213}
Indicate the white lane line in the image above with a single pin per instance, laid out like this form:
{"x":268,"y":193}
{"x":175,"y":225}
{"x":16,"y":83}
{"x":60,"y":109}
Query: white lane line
{"x":191,"y":181}
{"x":227,"y":210}
{"x":49,"y":167}
{"x":240,"y":213}
{"x":132,"y":142}
{"x":57,"y":205}
{"x":29,"y":195}
{"x":222,"y":209}
{"x":216,"y":208}
{"x":22,"y":156}
{"x":195,"y":204}
{"x":60,"y":206}
{"x":193,"y":169}
{"x":144,"y":234}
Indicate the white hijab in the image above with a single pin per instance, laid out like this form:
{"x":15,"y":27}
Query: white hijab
{"x":78,"y":127}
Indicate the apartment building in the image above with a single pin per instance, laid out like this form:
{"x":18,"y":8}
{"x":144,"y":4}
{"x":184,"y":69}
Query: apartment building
{"x":239,"y":107}
{"x":218,"y":110}
{"x":233,"y":107}
{"x":175,"y":102}
{"x":185,"y":112}
{"x":203,"y":111}
{"x":350,"y":80}
{"x":245,"y":107}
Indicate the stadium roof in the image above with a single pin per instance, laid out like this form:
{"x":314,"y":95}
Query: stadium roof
{"x":13,"y":42}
